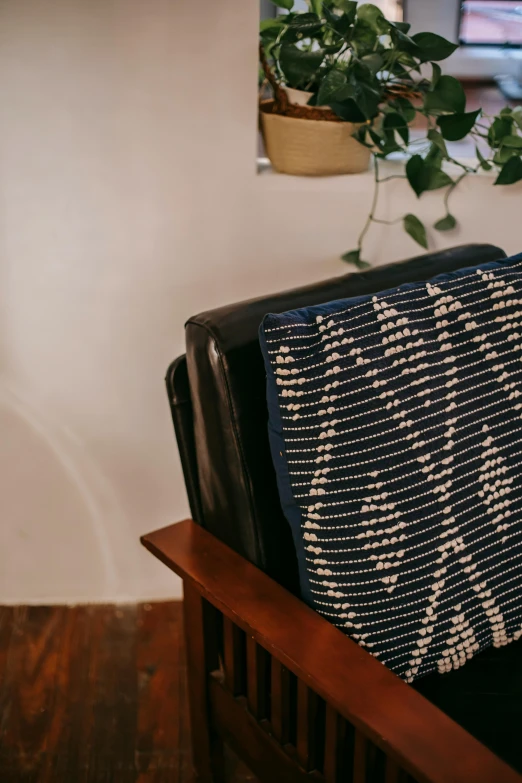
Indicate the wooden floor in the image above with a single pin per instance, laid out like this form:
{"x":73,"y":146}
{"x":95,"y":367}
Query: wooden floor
{"x":94,"y":693}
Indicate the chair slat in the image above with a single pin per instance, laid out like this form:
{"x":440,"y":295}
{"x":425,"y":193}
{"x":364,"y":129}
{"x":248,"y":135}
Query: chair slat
{"x":307,"y":726}
{"x":331,"y":746}
{"x":202,"y":658}
{"x":394,"y":774}
{"x":360,"y":758}
{"x":258,"y":672}
{"x":234,"y":657}
{"x":280,"y":702}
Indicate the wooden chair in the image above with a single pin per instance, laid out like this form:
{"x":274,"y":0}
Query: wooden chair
{"x":292,"y":696}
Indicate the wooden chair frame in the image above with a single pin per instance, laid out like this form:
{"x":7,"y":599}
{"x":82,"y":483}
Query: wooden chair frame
{"x":290,"y":694}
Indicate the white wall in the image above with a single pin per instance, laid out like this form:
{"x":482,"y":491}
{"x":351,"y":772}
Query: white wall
{"x":129,"y":201}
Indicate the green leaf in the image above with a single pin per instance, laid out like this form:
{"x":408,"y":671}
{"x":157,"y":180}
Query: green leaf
{"x":499,"y":129}
{"x":402,"y":41}
{"x":348,"y":110}
{"x":269,"y":32}
{"x":317,"y":6}
{"x":348,"y":91}
{"x":333,"y":48}
{"x":367,"y":100}
{"x":361,"y":133}
{"x":435,"y":75}
{"x":298,"y":66}
{"x":511,"y":172}
{"x":434,"y":157}
{"x":290,"y":34}
{"x":288,"y":4}
{"x":517,"y":115}
{"x":481,"y":159}
{"x":456,"y":126}
{"x":374,"y":17}
{"x":446,"y":223}
{"x":330,"y":86}
{"x":414,"y":172}
{"x":416,"y":230}
{"x":398,"y":70}
{"x":307,"y":24}
{"x":272,"y":23}
{"x":373,"y":62}
{"x":366,"y":38}
{"x":436,"y":178}
{"x":330,"y":16}
{"x":515,"y":142}
{"x":377,"y":140}
{"x":407,"y":60}
{"x":405,"y":108}
{"x":502,"y":155}
{"x":395,"y":122}
{"x":424,"y":176}
{"x":448,"y":96}
{"x":433,"y":47}
{"x":435,"y":137}
{"x":354,"y":257}
{"x":403,"y":27}
{"x":341,"y":23}
{"x":349,"y":7}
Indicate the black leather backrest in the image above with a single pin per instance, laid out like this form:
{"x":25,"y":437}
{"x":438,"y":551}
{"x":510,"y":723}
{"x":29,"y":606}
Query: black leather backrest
{"x":178,"y":391}
{"x":238,"y":500}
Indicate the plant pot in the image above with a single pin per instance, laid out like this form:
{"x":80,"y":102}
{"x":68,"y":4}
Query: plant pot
{"x":311,"y":148}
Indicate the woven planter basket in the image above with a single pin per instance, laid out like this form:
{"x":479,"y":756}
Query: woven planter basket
{"x":309,"y":147}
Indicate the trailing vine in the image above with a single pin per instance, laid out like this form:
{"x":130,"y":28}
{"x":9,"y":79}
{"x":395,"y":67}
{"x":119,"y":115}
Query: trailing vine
{"x":369,"y":71}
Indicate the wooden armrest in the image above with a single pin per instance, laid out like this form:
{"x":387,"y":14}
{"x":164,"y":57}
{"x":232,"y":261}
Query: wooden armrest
{"x":393,"y":715}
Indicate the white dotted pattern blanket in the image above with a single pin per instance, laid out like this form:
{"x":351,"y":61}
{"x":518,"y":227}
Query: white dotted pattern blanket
{"x":396,"y":430}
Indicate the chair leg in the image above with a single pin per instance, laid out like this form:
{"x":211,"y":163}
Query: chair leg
{"x":202,"y":657}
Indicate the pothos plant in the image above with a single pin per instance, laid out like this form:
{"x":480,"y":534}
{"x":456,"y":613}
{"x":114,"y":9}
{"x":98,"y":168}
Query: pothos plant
{"x":370,"y":71}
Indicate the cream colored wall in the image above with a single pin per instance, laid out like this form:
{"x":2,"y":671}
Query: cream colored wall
{"x":129,"y":201}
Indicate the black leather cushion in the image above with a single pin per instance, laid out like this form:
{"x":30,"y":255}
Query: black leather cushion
{"x":236,"y":480}
{"x":178,"y":390}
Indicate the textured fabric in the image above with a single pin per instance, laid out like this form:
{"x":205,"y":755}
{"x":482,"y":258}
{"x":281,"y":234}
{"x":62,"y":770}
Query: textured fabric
{"x":396,"y":432}
{"x":226,"y":452}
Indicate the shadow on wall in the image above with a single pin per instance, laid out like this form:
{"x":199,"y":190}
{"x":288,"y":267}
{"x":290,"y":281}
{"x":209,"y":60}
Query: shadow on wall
{"x":52,"y":503}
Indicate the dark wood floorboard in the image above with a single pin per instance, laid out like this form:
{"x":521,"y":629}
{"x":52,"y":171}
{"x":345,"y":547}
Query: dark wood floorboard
{"x":29,"y":690}
{"x":159,"y":746}
{"x":95,"y":694}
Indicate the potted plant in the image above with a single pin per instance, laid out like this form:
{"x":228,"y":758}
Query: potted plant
{"x":348,"y":83}
{"x":337,"y":69}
